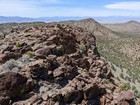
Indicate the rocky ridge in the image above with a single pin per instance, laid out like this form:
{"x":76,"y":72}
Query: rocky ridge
{"x":56,"y":65}
{"x":93,"y":27}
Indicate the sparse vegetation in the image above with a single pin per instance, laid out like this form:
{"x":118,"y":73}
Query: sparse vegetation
{"x":114,"y":52}
{"x":108,"y":48}
{"x":106,"y":81}
{"x":82,"y":48}
{"x":125,"y":86}
{"x":30,"y":53}
{"x":18,"y":44}
{"x":121,"y":75}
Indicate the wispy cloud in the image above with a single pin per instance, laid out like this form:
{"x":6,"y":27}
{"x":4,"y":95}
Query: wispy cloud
{"x":124,"y":5}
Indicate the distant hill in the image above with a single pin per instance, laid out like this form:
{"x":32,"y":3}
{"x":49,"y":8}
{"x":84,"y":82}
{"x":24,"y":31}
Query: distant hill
{"x":4,"y":19}
{"x":92,"y":26}
{"x":131,"y":27}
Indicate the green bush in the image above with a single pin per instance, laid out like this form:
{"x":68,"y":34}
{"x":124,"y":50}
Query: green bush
{"x":18,"y":44}
{"x":125,"y":86}
{"x":30,"y":53}
{"x":82,"y":48}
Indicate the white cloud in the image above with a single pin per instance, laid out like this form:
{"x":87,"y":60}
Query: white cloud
{"x":124,"y":5}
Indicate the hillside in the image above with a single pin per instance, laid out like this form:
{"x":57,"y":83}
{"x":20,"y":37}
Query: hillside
{"x":56,"y":65}
{"x":92,"y":26}
{"x":120,"y":47}
{"x":131,"y":27}
{"x":124,"y":53}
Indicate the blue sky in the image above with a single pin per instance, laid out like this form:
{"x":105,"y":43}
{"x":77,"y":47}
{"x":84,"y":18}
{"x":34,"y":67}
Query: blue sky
{"x":50,"y":8}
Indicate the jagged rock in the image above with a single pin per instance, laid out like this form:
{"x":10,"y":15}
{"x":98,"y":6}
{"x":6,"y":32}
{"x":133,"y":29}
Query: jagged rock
{"x":83,"y":63}
{"x":4,"y":100}
{"x":91,"y":91}
{"x":103,"y":101}
{"x":109,"y":86}
{"x":45,"y":97}
{"x":109,"y":96}
{"x":66,"y":72}
{"x":13,"y":86}
{"x":35,"y":70}
{"x":8,"y":48}
{"x":8,"y":55}
{"x":43,"y":52}
{"x":66,"y":69}
{"x":126,"y":95}
{"x":25,"y":49}
{"x":123,"y":103}
{"x":53,"y":38}
{"x":21,"y":48}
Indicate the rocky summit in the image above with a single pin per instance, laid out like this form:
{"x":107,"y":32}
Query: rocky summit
{"x":56,"y":65}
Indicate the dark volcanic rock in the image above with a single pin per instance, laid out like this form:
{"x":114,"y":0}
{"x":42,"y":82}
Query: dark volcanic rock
{"x":8,"y":55}
{"x":57,"y":65}
{"x":12,"y":86}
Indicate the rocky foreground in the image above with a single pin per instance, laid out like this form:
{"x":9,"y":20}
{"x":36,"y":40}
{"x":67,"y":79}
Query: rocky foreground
{"x":56,"y":65}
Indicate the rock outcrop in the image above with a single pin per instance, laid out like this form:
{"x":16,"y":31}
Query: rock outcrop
{"x":56,"y":65}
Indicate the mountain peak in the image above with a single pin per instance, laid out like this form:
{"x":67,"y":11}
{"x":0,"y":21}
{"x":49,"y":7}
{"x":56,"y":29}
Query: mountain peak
{"x":132,"y":22}
{"x":88,"y":20}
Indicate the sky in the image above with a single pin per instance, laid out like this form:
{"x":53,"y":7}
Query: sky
{"x":74,"y":8}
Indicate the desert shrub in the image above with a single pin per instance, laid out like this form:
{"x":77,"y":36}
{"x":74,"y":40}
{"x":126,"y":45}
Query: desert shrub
{"x":106,"y":81}
{"x":30,"y":53}
{"x":18,"y":44}
{"x":82,"y":48}
{"x":125,"y":86}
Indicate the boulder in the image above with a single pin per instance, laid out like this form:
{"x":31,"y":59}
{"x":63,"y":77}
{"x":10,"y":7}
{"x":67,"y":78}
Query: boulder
{"x":126,"y":95}
{"x":13,"y":85}
{"x":8,"y":55}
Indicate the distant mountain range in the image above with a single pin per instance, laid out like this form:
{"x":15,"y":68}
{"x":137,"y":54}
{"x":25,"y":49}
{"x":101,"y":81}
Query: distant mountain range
{"x":108,"y":19}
